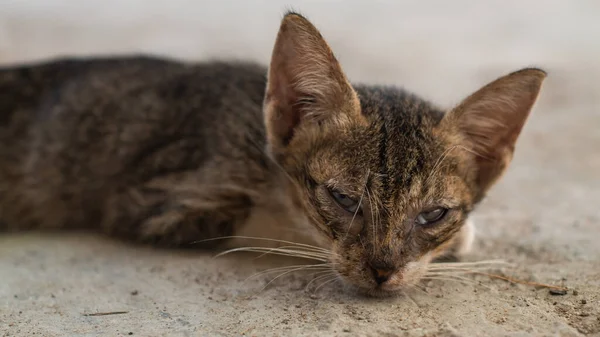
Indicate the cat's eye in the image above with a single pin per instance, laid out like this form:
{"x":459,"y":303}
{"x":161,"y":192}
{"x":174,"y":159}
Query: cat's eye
{"x":431,"y":216}
{"x":345,"y":201}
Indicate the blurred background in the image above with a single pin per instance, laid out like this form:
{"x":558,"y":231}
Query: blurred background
{"x":430,"y":47}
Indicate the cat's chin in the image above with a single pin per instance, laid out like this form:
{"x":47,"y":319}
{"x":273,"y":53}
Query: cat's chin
{"x":377,"y":292}
{"x":380,"y":293}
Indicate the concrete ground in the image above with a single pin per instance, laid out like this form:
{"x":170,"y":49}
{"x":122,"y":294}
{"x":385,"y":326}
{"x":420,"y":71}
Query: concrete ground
{"x":544,"y":216}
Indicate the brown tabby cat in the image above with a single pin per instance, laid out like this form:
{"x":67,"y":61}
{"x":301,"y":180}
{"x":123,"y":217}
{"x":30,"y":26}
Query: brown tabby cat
{"x":172,"y":153}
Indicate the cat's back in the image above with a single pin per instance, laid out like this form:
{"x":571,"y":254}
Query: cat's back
{"x":84,"y":101}
{"x":76,"y":127}
{"x":42,"y":88}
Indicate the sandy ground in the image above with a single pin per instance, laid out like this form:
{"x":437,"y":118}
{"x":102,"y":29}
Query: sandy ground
{"x":543,"y":216}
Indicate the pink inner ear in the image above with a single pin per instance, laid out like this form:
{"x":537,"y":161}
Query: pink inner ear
{"x":285,"y":105}
{"x":492,"y":118}
{"x":306,"y":84}
{"x":494,"y":121}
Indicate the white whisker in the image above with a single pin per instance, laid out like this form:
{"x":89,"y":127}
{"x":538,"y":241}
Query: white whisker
{"x":334,"y":278}
{"x":438,"y":162}
{"x":467,"y":267}
{"x":278,"y":269}
{"x":455,"y":278}
{"x":439,"y":278}
{"x":443,"y":156}
{"x":411,"y":299}
{"x":453,"y":274}
{"x":282,"y":274}
{"x":264,"y":239}
{"x":358,"y":207}
{"x":372,"y":211}
{"x":292,"y":248}
{"x":275,"y":251}
{"x":419,"y":287}
{"x":484,"y":262}
{"x":260,"y":148}
{"x":462,"y":270}
{"x":316,"y":279}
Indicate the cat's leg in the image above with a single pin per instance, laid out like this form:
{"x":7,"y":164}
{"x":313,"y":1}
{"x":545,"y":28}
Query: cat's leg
{"x":169,"y":219}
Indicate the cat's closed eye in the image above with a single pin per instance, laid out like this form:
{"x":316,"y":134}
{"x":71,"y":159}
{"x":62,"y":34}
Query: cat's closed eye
{"x":432,"y":216}
{"x":345,"y":202}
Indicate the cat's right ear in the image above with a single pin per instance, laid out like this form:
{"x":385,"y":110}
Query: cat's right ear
{"x":490,"y":121}
{"x":306,"y":85}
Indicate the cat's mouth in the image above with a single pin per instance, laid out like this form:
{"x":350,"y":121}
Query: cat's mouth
{"x":381,"y":282}
{"x":365,"y":284}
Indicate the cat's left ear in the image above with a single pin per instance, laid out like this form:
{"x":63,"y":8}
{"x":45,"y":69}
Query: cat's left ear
{"x":306,"y":86}
{"x":490,"y":121}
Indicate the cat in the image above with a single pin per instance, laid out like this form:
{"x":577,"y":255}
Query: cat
{"x":159,"y":151}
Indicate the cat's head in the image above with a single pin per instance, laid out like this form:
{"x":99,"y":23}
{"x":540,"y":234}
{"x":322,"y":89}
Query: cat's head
{"x":386,"y":178}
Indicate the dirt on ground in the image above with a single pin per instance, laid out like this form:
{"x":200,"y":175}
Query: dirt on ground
{"x":543,"y":217}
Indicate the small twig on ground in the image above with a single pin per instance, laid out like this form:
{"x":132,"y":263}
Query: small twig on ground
{"x":107,"y":313}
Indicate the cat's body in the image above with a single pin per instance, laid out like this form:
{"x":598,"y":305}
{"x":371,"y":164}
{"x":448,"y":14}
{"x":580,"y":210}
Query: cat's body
{"x":112,"y":143}
{"x":171,"y":153}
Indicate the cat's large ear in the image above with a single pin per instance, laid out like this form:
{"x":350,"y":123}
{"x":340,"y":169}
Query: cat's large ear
{"x":490,"y":121}
{"x":306,"y":84}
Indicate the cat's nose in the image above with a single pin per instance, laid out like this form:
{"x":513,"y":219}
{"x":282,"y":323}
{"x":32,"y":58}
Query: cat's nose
{"x":381,"y":274}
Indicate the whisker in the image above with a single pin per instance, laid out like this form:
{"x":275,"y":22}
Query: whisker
{"x":373,"y":223}
{"x":321,"y":272}
{"x":281,"y":249}
{"x":439,"y":278}
{"x":264,"y":239}
{"x":456,"y":278}
{"x":438,"y":162}
{"x":267,"y":250}
{"x":261,"y":149}
{"x":449,"y":274}
{"x":280,"y":275}
{"x":378,"y":224}
{"x":460,"y":270}
{"x":420,"y":288}
{"x":278,"y":269}
{"x":260,"y":249}
{"x":316,"y":279}
{"x":275,"y":251}
{"x":359,"y":204}
{"x":466,"y":268}
{"x":443,"y":156}
{"x":411,"y":299}
{"x":474,"y":263}
{"x":455,"y":275}
{"x":334,"y":278}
